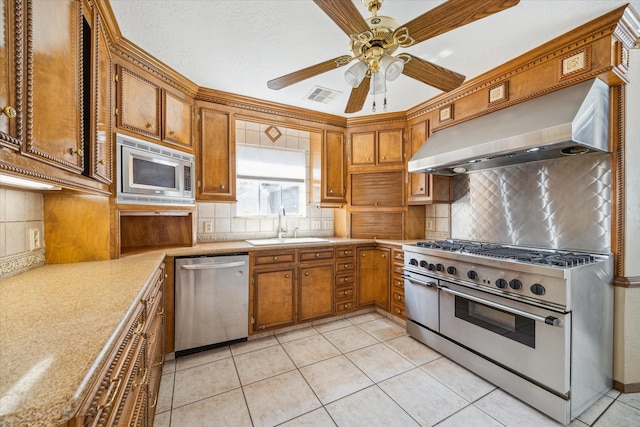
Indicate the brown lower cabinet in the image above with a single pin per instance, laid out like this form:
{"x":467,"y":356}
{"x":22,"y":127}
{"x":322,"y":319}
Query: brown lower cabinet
{"x":373,"y":270}
{"x":126,"y":391}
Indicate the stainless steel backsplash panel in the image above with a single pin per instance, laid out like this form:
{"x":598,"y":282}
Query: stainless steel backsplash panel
{"x":555,"y":204}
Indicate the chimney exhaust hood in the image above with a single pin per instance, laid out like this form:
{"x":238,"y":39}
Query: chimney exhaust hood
{"x":571,"y":121}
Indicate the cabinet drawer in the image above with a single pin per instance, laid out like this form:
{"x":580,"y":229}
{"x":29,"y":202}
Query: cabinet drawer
{"x":398,"y":297}
{"x":344,"y":279}
{"x":152,"y":299}
{"x":345,"y":293}
{"x":398,"y":255}
{"x":397,"y":269}
{"x":398,"y":284}
{"x":344,"y":306}
{"x":309,"y":255}
{"x":274,"y":257}
{"x":345,"y":252}
{"x":398,"y":310}
{"x":345,"y":265}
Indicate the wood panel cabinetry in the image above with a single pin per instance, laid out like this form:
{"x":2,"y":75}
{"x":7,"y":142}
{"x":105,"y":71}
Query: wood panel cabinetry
{"x":334,"y":165}
{"x":315,"y":287}
{"x":377,"y":189}
{"x":345,"y":281}
{"x":425,"y":188}
{"x":12,"y":88}
{"x":397,"y":283}
{"x":373,"y":272}
{"x":127,"y":387}
{"x":377,"y":147}
{"x":216,"y":180}
{"x":273,"y":290}
{"x":149,"y":110}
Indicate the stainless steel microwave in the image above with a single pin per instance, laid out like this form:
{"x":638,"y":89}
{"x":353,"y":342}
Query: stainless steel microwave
{"x":153,"y":174}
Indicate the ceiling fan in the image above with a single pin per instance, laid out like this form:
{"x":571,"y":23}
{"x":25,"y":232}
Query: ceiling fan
{"x":374,"y":40}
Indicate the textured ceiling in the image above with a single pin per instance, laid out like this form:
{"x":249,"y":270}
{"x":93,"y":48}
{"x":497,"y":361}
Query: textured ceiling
{"x":238,"y":45}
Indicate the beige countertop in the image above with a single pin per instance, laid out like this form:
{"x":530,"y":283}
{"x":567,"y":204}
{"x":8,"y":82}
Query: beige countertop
{"x":59,"y":322}
{"x":57,"y":325}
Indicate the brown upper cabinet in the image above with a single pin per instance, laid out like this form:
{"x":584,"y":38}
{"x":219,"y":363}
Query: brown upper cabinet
{"x":148,"y":109}
{"x":12,"y":93}
{"x":328,"y":167}
{"x":216,"y":169}
{"x":425,"y":188}
{"x":377,"y":147}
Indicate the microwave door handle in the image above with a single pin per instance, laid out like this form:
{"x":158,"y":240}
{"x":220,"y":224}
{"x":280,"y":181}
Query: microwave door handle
{"x":549,"y":320}
{"x":212,"y":266}
{"x":420,"y":282}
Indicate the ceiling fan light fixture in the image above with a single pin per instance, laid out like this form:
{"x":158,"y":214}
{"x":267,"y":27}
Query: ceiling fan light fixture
{"x":356,"y":73}
{"x":391,"y":66}
{"x":378,"y":84}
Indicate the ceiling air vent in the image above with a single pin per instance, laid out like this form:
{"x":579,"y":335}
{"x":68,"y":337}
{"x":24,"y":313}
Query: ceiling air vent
{"x":322,"y":94}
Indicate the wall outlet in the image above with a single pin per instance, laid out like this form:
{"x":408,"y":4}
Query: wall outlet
{"x":328,"y":224}
{"x":208,"y":226}
{"x":315,"y":224}
{"x":34,"y":239}
{"x":430,"y":225}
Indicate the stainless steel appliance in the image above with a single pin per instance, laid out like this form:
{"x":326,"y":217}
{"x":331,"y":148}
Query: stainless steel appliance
{"x":153,"y":174}
{"x":537,"y":323}
{"x":211,"y":301}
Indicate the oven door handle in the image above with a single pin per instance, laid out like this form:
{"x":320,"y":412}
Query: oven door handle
{"x":549,"y":320}
{"x":420,"y":282}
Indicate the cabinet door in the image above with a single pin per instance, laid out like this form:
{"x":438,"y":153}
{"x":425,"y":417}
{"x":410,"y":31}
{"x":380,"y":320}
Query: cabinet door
{"x":315,"y":291}
{"x":273,"y":299}
{"x":138,"y":104}
{"x":417,"y":181}
{"x":333,"y":168}
{"x":363,"y":152}
{"x":12,"y":91}
{"x":217,"y":157}
{"x":178,"y":118}
{"x":377,"y":189}
{"x":390,"y":147}
{"x":54,"y":117}
{"x":373,"y":277}
{"x":101,"y":160}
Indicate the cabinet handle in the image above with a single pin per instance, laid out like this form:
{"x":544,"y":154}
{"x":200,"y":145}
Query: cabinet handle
{"x":375,"y":204}
{"x":346,"y":292}
{"x":9,"y":111}
{"x":101,"y":162}
{"x":144,"y":378}
{"x":160,"y":361}
{"x":398,"y":311}
{"x":421,"y":189}
{"x":286,"y":276}
{"x":172,"y":133}
{"x":148,"y":125}
{"x":222,"y":186}
{"x":155,"y":401}
{"x":152,"y":339}
{"x":160,"y":311}
{"x":346,"y":306}
{"x":317,"y":254}
{"x":346,"y":279}
{"x":275,"y":258}
{"x":330,"y":191}
{"x":364,"y":254}
{"x":306,"y":273}
{"x":384,"y":255}
{"x":113,"y":396}
{"x":75,"y":151}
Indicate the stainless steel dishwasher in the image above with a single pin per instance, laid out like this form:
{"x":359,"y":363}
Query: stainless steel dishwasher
{"x":211,"y":301}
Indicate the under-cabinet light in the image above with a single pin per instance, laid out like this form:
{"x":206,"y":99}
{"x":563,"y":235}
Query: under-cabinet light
{"x":14,"y":181}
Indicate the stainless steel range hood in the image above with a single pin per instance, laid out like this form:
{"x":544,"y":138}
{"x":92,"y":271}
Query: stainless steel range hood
{"x":570,"y":121}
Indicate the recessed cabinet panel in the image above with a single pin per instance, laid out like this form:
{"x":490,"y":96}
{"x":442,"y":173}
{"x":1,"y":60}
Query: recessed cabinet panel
{"x":274,"y":299}
{"x":55,"y":67}
{"x":373,"y":276}
{"x":363,"y":149}
{"x":10,"y":90}
{"x":217,"y":167}
{"x":390,"y":147}
{"x":316,"y":291}
{"x":333,"y":168}
{"x":101,"y":164}
{"x":417,"y":181}
{"x":138,"y":104}
{"x":178,"y":115}
{"x":377,"y":189}
{"x":377,"y":225}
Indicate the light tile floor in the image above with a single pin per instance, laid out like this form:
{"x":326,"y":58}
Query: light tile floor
{"x":359,"y":371}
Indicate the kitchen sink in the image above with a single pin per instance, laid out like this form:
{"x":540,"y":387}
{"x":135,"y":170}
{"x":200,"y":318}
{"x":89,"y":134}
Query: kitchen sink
{"x":285,"y":241}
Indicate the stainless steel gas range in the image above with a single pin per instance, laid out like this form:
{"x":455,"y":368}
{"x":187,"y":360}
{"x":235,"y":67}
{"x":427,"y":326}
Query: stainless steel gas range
{"x":536,"y":323}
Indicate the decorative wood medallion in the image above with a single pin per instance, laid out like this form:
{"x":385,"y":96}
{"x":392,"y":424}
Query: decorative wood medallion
{"x":445,"y":114}
{"x":498,"y":93}
{"x":273,"y":133}
{"x":576,"y":63}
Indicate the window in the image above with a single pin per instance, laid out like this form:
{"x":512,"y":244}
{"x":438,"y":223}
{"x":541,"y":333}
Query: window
{"x":268,"y":178}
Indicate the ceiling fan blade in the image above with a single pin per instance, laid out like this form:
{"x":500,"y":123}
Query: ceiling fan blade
{"x":432,"y":74}
{"x":358,"y":96}
{"x":345,"y":15}
{"x":305,"y":73}
{"x":453,"y":14}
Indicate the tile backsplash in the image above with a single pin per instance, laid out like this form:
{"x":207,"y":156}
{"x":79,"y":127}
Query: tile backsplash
{"x":218,"y":221}
{"x":20,"y":212}
{"x":438,"y":221}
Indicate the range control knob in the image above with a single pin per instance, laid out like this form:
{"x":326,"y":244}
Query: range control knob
{"x":431,"y":267}
{"x":413,"y":261}
{"x":537,"y":289}
{"x":471,"y":274}
{"x":439,"y":267}
{"x":515,"y":284}
{"x":423,"y":264}
{"x":452,"y":270}
{"x":501,"y":283}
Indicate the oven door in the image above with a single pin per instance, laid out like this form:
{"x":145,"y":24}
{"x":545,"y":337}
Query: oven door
{"x":421,"y":300}
{"x":528,"y":340}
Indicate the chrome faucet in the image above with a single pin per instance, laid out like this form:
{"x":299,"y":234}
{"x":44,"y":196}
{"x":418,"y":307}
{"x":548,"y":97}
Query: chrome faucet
{"x":282,"y":231}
